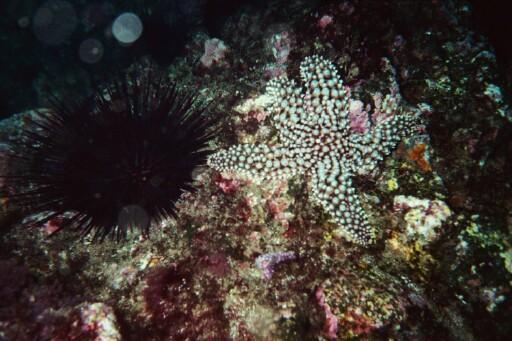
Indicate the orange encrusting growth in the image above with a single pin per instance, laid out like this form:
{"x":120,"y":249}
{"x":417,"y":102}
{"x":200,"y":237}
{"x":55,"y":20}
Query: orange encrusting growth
{"x":417,"y":154}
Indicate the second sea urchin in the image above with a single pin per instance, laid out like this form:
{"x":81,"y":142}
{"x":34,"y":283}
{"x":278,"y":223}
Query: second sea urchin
{"x":117,"y":160}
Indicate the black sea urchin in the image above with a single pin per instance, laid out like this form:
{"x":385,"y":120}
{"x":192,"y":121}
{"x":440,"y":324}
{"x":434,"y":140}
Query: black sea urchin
{"x":118,"y":159}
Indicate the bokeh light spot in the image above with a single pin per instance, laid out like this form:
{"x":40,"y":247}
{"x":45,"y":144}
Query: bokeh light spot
{"x":91,"y":51}
{"x":54,"y":22}
{"x":127,"y":28}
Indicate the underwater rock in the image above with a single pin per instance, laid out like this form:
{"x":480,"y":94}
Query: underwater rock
{"x":99,"y":319}
{"x":424,"y":217}
{"x":214,"y":52}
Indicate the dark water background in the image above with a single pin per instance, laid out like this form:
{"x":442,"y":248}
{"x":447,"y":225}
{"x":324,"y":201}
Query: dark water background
{"x":37,"y":55}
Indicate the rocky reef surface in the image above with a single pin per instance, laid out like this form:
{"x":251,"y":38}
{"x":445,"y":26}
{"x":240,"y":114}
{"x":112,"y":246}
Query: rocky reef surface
{"x":253,"y":260}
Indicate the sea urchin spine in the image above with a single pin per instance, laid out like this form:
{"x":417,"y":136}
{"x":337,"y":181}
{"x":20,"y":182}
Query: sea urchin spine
{"x":116,"y":160}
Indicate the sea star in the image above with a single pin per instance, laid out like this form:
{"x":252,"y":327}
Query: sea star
{"x":316,"y":140}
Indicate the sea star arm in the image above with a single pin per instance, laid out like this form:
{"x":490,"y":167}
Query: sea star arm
{"x":325,"y":94}
{"x":286,"y":102}
{"x":257,"y":161}
{"x":332,"y":188}
{"x":381,"y":141}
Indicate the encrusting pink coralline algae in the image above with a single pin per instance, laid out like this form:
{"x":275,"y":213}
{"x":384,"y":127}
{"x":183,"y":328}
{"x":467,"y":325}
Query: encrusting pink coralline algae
{"x":267,"y":261}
